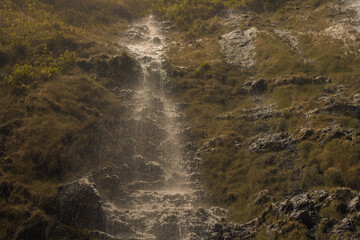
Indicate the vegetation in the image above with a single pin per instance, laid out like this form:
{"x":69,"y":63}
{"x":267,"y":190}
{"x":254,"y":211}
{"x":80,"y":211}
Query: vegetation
{"x":58,"y":121}
{"x":54,"y":117}
{"x":232,"y":174}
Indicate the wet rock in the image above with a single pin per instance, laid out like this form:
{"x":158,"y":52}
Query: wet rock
{"x":338,"y":106}
{"x":124,"y":94}
{"x":239,"y":47}
{"x":148,"y":171}
{"x":122,"y":67}
{"x":274,"y":142}
{"x":156,"y":40}
{"x":80,"y":205}
{"x":167,"y":231}
{"x":137,"y":33}
{"x":116,"y":227}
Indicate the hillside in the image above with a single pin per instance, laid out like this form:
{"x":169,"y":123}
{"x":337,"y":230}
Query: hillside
{"x":247,"y":110}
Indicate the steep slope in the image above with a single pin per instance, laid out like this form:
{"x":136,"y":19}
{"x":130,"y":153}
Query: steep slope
{"x":110,"y":130}
{"x":272,"y":100}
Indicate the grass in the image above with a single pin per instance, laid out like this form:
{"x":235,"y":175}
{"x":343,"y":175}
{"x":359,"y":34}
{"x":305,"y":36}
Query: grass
{"x":232,"y":176}
{"x":57,"y":122}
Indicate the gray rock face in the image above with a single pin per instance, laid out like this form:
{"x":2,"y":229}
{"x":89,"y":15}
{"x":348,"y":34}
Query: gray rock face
{"x":239,"y":47}
{"x":274,"y":142}
{"x":337,"y":105}
{"x":327,"y":134}
{"x":354,"y":204}
{"x":306,"y":209}
{"x":80,"y":206}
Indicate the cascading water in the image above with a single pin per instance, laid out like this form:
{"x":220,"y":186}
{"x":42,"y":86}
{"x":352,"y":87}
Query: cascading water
{"x":162,"y":201}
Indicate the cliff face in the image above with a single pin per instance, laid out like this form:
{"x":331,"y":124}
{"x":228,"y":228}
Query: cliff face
{"x":265,"y":99}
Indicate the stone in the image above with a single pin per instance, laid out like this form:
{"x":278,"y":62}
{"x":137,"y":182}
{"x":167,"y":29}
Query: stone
{"x":256,"y":86}
{"x":122,"y":68}
{"x":263,"y":197}
{"x":148,"y":170}
{"x":239,"y":47}
{"x":79,"y":205}
{"x":273,"y":142}
{"x":156,"y":40}
{"x":308,"y":218}
{"x":354,"y":204}
{"x":166,"y":231}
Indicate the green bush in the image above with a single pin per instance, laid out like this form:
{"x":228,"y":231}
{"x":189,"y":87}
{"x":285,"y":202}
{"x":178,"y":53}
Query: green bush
{"x":45,"y":68}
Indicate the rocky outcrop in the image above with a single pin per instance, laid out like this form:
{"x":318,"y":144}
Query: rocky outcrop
{"x":308,"y":210}
{"x":337,"y":105}
{"x":79,"y":204}
{"x":121,"y":68}
{"x":327,"y":134}
{"x":273,"y":142}
{"x":255,"y":86}
{"x":239,"y":47}
{"x":291,"y":38}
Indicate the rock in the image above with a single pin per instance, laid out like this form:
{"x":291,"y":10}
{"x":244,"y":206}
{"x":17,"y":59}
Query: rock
{"x":165,"y":231}
{"x":263,"y":197}
{"x":292,"y":39}
{"x":344,"y":194}
{"x":148,"y":171}
{"x":274,"y":142}
{"x":137,"y":33}
{"x":339,"y":106}
{"x":122,"y":68}
{"x":256,"y":87}
{"x":354,"y":205}
{"x":156,"y":40}
{"x":118,"y":227}
{"x":239,"y":47}
{"x":327,"y":134}
{"x":308,"y":218}
{"x":79,"y":205}
{"x":306,"y":208}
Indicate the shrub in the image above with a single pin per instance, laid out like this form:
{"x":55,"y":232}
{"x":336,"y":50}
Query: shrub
{"x":45,"y":68}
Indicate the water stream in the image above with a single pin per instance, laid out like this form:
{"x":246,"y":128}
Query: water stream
{"x":164,"y":200}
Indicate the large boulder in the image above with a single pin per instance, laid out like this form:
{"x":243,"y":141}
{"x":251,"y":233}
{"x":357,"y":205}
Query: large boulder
{"x":80,"y":206}
{"x":239,"y":47}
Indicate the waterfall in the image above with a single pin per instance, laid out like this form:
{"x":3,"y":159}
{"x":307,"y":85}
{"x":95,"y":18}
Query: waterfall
{"x":162,"y":200}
